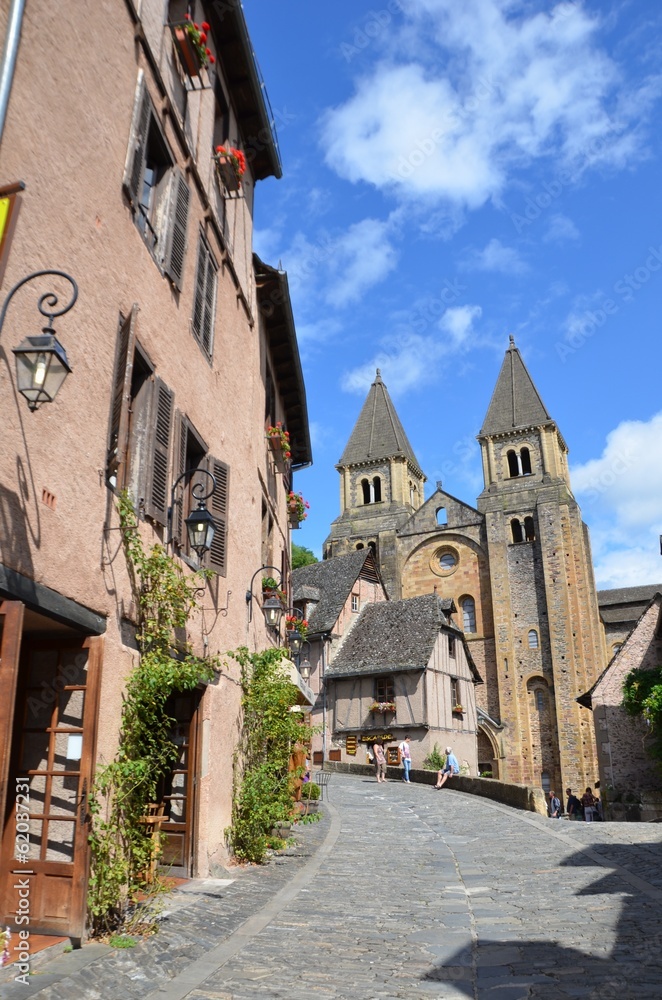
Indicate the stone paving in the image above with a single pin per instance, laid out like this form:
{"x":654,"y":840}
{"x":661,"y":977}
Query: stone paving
{"x":406,"y":892}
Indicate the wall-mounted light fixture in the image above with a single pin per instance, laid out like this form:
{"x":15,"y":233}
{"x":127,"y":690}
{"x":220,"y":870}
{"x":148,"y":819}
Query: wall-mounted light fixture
{"x":41,"y":360}
{"x":200,"y":525}
{"x":272,"y":605}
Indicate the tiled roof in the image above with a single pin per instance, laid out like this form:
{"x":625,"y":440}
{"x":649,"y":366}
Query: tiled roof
{"x":515,"y":401}
{"x":392,"y":635}
{"x":628,"y":595}
{"x":333,"y":579}
{"x":378,"y":432}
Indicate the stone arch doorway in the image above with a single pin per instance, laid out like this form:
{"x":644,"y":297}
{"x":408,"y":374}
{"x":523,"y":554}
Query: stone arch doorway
{"x":488,"y":755}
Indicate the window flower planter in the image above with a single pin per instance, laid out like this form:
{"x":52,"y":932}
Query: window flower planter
{"x":191,"y":41}
{"x":279,"y":442}
{"x":383,"y":707}
{"x":230,"y":167}
{"x":458,"y":710}
{"x":297,"y":509}
{"x":294,"y":624}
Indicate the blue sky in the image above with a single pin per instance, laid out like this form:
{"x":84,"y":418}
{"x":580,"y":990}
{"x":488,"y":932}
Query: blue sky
{"x":455,"y":172}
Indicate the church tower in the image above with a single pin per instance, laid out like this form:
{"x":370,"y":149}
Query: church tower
{"x":381,"y":485}
{"x":548,"y":642}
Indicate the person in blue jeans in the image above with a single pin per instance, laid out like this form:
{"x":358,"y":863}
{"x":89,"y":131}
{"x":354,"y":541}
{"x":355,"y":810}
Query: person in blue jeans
{"x":405,"y":757}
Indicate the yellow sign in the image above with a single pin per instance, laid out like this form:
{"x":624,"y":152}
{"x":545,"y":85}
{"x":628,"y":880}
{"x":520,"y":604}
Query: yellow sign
{"x":5,"y":204}
{"x":376,"y":736}
{"x":350,"y":745}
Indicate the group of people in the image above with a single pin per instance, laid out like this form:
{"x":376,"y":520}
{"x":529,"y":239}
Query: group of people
{"x":451,"y":765}
{"x":587,"y":808}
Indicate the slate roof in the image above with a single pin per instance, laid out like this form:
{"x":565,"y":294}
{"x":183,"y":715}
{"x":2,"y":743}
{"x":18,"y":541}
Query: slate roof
{"x":333,"y":579}
{"x":394,"y":635}
{"x":625,"y":604}
{"x":378,"y":432}
{"x":515,"y":401}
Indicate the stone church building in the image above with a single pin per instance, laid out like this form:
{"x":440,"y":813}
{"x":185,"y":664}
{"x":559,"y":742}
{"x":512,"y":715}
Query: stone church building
{"x":517,"y":565}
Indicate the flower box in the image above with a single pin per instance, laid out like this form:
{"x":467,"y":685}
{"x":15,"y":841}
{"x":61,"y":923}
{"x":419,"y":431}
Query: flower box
{"x":279,"y":442}
{"x":191,"y":41}
{"x":227,"y":174}
{"x":458,"y":710}
{"x":297,"y":509}
{"x":383,"y":706}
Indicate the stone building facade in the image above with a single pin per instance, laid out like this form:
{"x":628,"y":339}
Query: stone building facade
{"x":183,"y":352}
{"x":630,"y":779}
{"x":517,"y":565}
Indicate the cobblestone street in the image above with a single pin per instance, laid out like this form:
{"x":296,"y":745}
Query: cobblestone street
{"x":404,"y":892}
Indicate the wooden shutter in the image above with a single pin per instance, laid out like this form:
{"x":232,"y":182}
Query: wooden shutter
{"x":204,"y":302}
{"x":156,"y":500}
{"x":219,"y":509}
{"x":119,"y":414}
{"x":175,"y":236}
{"x":135,"y":160}
{"x":11,"y":632}
{"x":178,"y":512}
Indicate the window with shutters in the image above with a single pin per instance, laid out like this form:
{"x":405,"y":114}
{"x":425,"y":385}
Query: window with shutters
{"x":156,"y":189}
{"x":204,"y":301}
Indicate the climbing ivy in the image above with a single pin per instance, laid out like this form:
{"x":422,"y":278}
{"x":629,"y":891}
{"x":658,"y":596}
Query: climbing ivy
{"x":263,"y":783}
{"x":122,"y":850}
{"x":642,"y":695}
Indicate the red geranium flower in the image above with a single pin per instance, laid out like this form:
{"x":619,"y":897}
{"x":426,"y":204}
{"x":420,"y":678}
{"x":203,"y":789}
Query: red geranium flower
{"x":203,"y":38}
{"x":205,"y":26}
{"x":211,"y":59}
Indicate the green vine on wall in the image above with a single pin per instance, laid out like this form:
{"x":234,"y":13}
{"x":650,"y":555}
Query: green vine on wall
{"x":121,"y":848}
{"x":263,"y":783}
{"x":642,"y":696}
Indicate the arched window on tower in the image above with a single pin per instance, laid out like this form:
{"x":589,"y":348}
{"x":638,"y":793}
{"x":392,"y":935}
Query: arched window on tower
{"x":540,"y":700}
{"x":365,"y":486}
{"x":359,"y":545}
{"x":373,"y":548}
{"x":442,"y":518}
{"x":533,"y":639}
{"x":468,"y":606}
{"x":546,"y":781}
{"x":525,"y":456}
{"x":529,"y":529}
{"x":513,"y":464}
{"x":377,"y":489}
{"x":516,"y":528}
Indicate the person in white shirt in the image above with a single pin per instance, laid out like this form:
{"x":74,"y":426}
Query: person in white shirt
{"x":405,"y":757}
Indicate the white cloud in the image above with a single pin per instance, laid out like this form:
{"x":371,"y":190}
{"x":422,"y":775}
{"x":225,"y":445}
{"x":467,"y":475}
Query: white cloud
{"x":340,"y":267}
{"x":458,"y":321}
{"x":408,"y":360}
{"x":561,"y":229}
{"x":363,"y":257}
{"x":497,"y":257}
{"x":620,"y":497}
{"x":472,"y":91}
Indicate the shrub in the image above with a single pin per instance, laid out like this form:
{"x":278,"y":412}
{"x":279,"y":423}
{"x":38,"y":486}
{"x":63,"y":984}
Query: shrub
{"x":435,"y":760}
{"x":310,"y":790}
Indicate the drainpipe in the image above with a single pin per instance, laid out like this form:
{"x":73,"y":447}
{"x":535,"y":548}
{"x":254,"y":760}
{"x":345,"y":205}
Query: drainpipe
{"x":9,"y":54}
{"x":325,"y":639}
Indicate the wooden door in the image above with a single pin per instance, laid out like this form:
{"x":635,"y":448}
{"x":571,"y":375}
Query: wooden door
{"x":11,"y":625}
{"x":178,"y":791}
{"x":45,"y":848}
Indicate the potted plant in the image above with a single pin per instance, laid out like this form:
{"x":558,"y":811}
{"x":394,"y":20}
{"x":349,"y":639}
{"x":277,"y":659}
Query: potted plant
{"x":191,"y":39}
{"x":297,"y":509}
{"x":230,"y":165}
{"x":382,"y":706}
{"x":271,"y":588}
{"x":279,"y":442}
{"x":310,"y":793}
{"x":294,"y":624}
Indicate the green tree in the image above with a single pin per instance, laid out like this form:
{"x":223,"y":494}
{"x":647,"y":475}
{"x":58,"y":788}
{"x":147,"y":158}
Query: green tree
{"x":642,"y":696}
{"x":302,"y":556}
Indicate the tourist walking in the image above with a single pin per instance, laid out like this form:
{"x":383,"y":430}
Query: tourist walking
{"x":573,"y":806}
{"x":554,"y":807}
{"x":405,"y":757}
{"x":380,"y":760}
{"x":450,"y":767}
{"x":588,"y":802}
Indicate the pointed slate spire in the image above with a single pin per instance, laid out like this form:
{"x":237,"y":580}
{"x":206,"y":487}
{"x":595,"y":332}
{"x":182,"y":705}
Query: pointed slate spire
{"x":378,"y":432}
{"x":515,"y":401}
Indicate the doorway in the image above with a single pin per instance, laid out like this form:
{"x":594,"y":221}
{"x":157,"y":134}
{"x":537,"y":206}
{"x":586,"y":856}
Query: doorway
{"x":47,"y":767}
{"x":177,"y":791}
